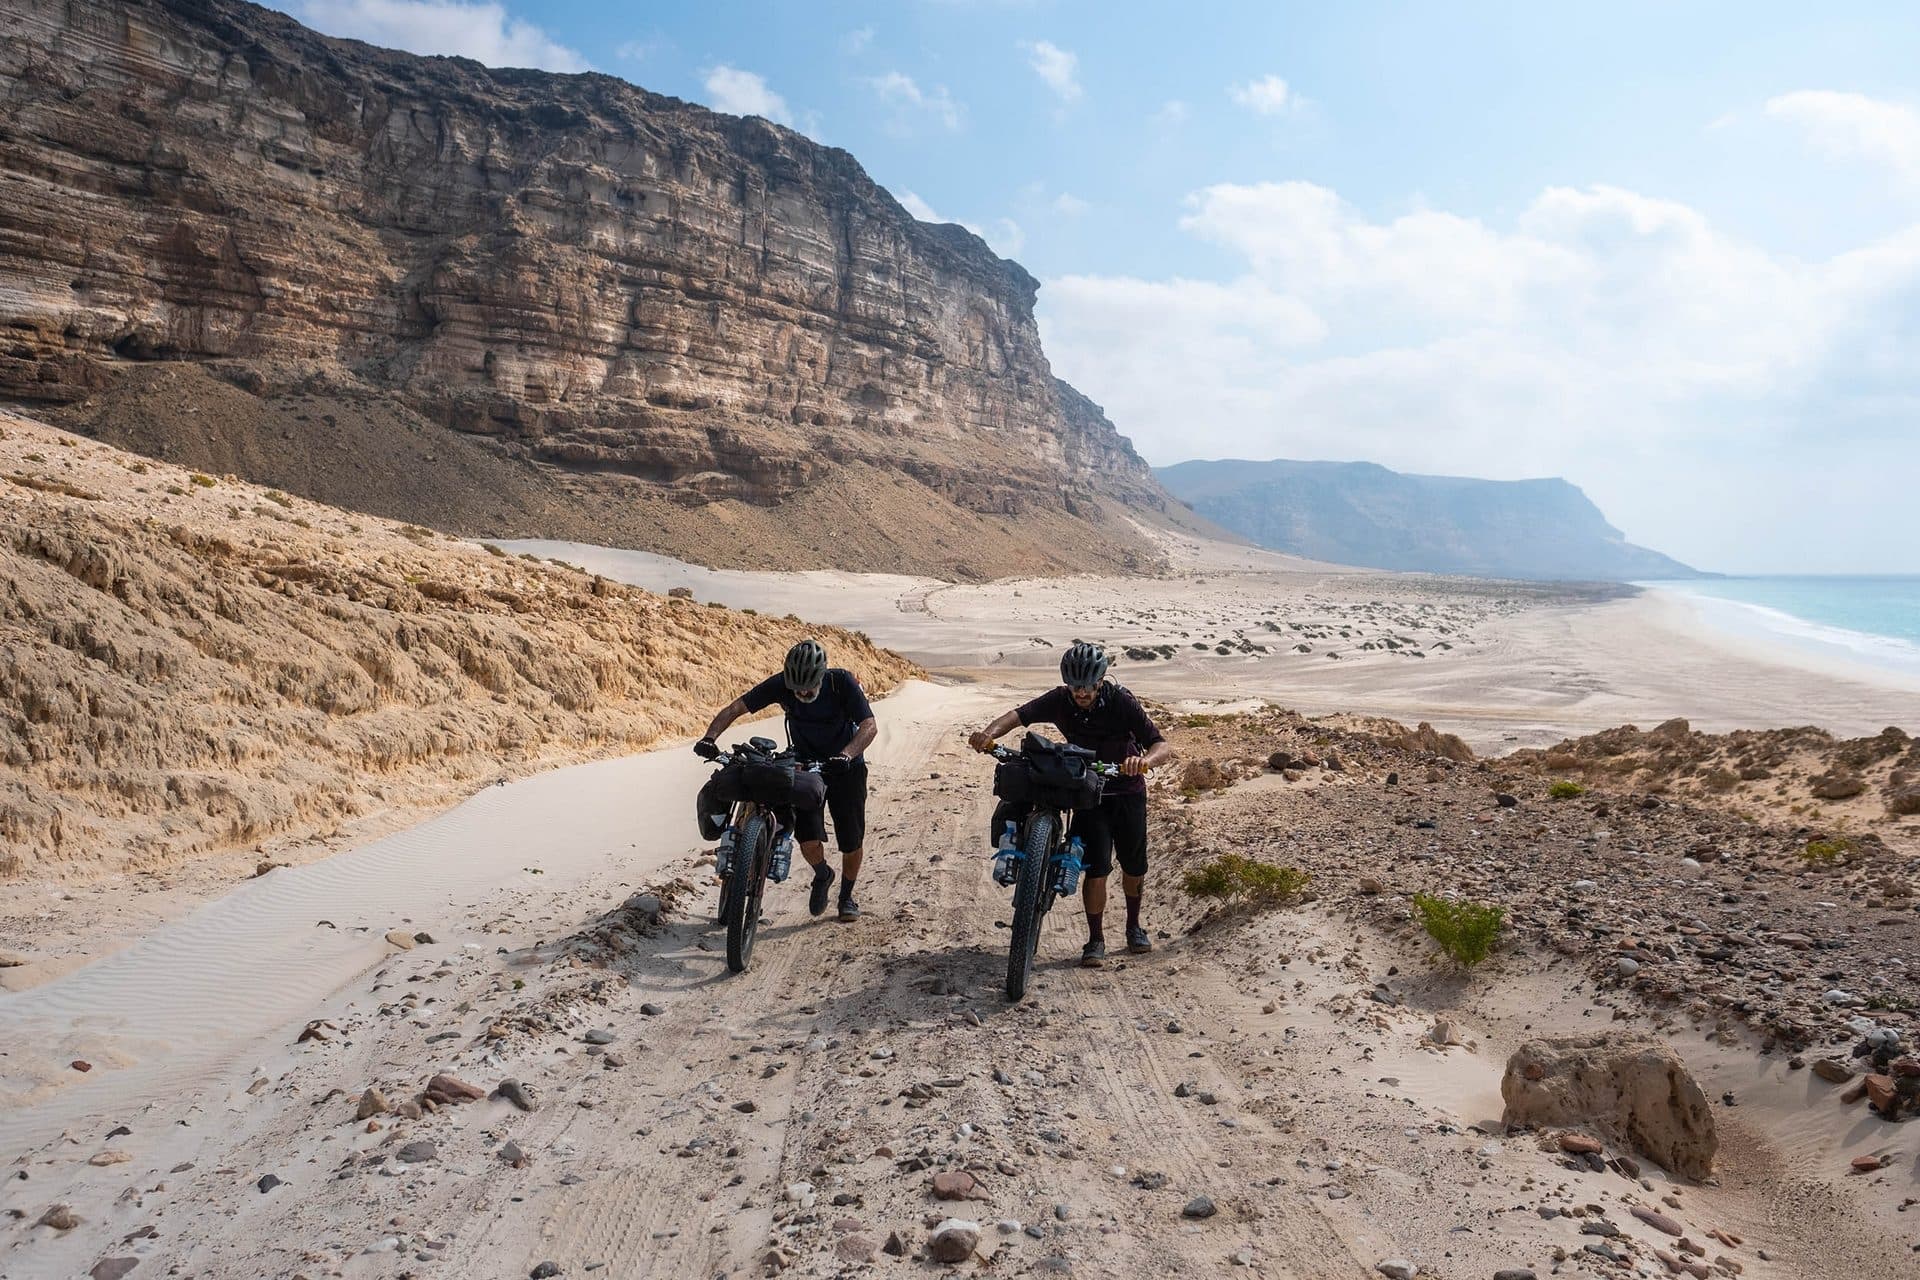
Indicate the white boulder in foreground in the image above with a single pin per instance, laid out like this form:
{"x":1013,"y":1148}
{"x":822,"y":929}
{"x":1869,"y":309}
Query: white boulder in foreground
{"x":1631,"y":1088}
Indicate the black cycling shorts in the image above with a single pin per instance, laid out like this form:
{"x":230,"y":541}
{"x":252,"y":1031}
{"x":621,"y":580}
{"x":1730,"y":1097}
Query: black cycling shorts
{"x":847,"y":803}
{"x":1118,"y":826}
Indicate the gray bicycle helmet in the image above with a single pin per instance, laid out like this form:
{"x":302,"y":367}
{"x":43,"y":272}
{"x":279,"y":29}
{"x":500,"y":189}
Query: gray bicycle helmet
{"x":806,"y":666}
{"x":1084,"y":666}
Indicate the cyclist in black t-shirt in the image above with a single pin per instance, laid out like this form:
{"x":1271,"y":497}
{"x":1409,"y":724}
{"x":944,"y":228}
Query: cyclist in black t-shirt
{"x":1092,"y":712}
{"x":829,"y":720}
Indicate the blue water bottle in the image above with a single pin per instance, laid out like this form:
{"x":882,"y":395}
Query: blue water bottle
{"x":1071,"y":863}
{"x":723,"y":854}
{"x":1006,"y":858}
{"x":782,"y":858}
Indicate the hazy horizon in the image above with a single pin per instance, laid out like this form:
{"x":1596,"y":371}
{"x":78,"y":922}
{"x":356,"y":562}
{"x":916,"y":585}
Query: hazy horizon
{"x":1676,"y":269}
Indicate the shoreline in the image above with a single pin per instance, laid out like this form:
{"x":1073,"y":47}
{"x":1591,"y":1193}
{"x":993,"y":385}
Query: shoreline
{"x":1775,"y":635}
{"x":1504,"y":665}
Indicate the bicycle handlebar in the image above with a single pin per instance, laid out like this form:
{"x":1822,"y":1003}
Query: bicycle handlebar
{"x":1100,"y":767}
{"x":726,"y":758}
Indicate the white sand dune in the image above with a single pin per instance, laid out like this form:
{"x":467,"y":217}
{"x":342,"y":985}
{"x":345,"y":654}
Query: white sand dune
{"x":193,"y":1001}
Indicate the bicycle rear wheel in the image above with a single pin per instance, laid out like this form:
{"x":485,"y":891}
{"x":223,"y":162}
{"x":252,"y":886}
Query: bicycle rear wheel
{"x":1029,"y":902}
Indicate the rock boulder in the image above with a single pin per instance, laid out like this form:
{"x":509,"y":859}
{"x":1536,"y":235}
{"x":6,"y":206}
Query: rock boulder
{"x":1633,"y":1089}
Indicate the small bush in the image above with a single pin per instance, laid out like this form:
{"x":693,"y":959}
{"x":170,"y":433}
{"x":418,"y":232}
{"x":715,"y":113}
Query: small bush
{"x":1241,"y":879}
{"x":1720,"y":780}
{"x":1566,"y":790}
{"x":274,"y":495}
{"x":1464,"y":930}
{"x":205,"y":482}
{"x":1822,"y":852}
{"x":493,"y":550}
{"x":176,"y":491}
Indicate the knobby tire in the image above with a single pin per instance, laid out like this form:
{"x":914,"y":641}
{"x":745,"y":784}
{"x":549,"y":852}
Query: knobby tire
{"x":745,"y":889}
{"x":1030,"y":899}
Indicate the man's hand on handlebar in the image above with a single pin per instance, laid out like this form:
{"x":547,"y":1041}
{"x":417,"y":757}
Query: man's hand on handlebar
{"x":834,"y":766}
{"x":707,"y":749}
{"x":980,"y":740}
{"x":1134,"y":766}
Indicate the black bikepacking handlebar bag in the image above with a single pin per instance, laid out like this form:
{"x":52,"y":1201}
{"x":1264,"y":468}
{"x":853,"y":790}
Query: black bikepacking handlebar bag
{"x":774,"y":781}
{"x":1050,"y":774}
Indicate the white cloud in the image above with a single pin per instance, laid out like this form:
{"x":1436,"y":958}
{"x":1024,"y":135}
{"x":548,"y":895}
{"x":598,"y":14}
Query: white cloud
{"x":1854,"y":126}
{"x":1005,"y":237}
{"x":483,"y":32}
{"x":858,"y":40}
{"x":640,"y":49}
{"x":909,"y":101}
{"x":745,"y":93}
{"x":919,"y":208}
{"x":1172,"y":113}
{"x":1618,"y":339}
{"x":1059,"y":68}
{"x":1069,"y":205}
{"x":1267,"y":96}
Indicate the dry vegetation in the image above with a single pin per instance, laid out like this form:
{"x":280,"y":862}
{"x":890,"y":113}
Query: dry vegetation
{"x":189,"y":664}
{"x":1804,"y":775}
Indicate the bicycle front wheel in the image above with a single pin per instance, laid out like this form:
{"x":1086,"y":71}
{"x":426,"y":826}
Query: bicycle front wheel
{"x":1029,"y":902}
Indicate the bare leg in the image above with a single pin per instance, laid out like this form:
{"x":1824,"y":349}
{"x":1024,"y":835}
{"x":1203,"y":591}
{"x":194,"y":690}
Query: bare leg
{"x":1093,"y":895}
{"x":850,"y":864}
{"x":814,"y":851}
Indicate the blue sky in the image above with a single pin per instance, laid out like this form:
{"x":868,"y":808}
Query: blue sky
{"x":1671,"y":252}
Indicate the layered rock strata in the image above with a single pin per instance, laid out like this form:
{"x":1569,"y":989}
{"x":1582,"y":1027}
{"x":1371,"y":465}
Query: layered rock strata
{"x":595,"y":278}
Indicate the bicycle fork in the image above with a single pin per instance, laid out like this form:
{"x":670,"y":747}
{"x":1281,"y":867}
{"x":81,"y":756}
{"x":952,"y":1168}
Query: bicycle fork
{"x":1066,"y":862}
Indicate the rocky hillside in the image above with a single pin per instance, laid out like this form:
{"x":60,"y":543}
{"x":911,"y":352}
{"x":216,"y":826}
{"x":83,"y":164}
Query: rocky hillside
{"x":1363,"y":514}
{"x":190,"y":663}
{"x":639,"y":317}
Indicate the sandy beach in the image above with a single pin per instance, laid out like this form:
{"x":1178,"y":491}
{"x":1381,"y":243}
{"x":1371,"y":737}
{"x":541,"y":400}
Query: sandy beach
{"x":1501,"y":664}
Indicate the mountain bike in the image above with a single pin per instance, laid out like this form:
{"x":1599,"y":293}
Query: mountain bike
{"x":759,"y":783}
{"x":1036,"y":857}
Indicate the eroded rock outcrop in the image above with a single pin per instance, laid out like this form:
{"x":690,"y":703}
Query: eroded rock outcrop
{"x":192,"y":664}
{"x":597,"y":279}
{"x":1631,"y":1088}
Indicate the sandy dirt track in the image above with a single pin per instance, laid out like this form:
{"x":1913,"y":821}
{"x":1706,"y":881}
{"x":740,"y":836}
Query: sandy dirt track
{"x":802,"y":1107}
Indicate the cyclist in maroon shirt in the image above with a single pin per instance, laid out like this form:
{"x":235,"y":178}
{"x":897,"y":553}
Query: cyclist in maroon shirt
{"x":1093,"y":712}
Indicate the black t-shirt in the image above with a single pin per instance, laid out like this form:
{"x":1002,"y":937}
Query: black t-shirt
{"x":820,"y":728}
{"x":1113,"y":728}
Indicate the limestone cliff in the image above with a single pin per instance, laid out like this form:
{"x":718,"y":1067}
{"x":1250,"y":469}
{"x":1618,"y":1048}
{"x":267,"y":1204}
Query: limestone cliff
{"x":673,"y":306}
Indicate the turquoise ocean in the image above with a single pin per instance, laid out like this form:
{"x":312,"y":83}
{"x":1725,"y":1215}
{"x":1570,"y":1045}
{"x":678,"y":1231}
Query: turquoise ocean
{"x":1867,"y":619}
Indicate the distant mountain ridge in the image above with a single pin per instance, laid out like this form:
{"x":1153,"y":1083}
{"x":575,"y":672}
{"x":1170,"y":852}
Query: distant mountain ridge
{"x":1361,"y":513}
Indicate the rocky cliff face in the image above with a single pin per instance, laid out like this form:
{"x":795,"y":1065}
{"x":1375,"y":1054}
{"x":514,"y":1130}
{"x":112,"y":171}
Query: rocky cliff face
{"x":590,"y":277}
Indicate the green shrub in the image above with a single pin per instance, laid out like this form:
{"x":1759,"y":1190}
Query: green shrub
{"x":1565,"y":790}
{"x":1465,"y":930}
{"x":205,"y":482}
{"x":274,"y":495}
{"x":1241,"y":879}
{"x":1826,"y":850}
{"x":493,"y":550}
